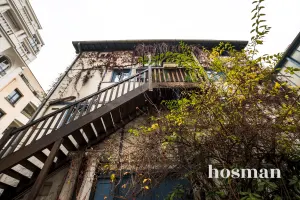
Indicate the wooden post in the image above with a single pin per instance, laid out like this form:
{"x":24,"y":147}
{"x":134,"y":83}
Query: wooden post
{"x":150,"y":78}
{"x":44,"y":172}
{"x":87,"y":183}
{"x":69,"y":185}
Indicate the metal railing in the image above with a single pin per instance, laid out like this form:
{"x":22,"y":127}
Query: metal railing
{"x":13,"y":140}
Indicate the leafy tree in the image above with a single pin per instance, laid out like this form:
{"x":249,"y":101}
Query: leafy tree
{"x":240,"y":116}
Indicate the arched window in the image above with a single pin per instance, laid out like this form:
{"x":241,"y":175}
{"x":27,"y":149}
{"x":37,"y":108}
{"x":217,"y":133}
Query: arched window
{"x":4,"y":65}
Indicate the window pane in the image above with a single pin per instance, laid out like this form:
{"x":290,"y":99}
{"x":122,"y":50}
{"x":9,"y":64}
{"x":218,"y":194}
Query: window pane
{"x":120,"y":74}
{"x":4,"y":63}
{"x":13,"y":93}
{"x":14,"y":96}
{"x":103,"y":190}
{"x":296,"y":55}
{"x":106,"y":190}
{"x":294,"y":79}
{"x":2,"y":72}
{"x":29,"y":110}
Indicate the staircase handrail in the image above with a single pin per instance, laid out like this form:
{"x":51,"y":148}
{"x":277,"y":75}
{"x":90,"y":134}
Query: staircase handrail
{"x":18,"y":130}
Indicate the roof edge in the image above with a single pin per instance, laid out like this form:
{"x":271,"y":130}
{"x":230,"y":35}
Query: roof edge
{"x":288,"y":52}
{"x":129,"y":44}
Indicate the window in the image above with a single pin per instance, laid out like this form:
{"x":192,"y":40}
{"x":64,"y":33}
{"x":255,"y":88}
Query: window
{"x":36,"y":39}
{"x":15,"y":124}
{"x":29,"y":110}
{"x":14,"y":96}
{"x":288,"y":74}
{"x":4,"y":65}
{"x":25,"y":47}
{"x":2,"y":113}
{"x":120,"y":74}
{"x":76,"y":112}
{"x":104,"y":190}
{"x":215,"y":76}
{"x":296,"y":55}
{"x":33,"y":43}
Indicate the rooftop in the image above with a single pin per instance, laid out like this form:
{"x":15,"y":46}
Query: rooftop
{"x":119,"y":45}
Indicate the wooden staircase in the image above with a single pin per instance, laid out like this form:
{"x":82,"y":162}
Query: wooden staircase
{"x":48,"y":140}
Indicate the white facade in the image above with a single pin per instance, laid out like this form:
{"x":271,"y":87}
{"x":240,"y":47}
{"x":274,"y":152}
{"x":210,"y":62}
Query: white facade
{"x":73,"y":85}
{"x":288,"y":67}
{"x":20,"y":42}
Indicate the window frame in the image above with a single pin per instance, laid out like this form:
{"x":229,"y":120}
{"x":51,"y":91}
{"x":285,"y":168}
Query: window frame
{"x":104,"y":187}
{"x":9,"y":99}
{"x":26,"y":114}
{"x":2,"y":113}
{"x":122,"y":77}
{"x":5,"y":66}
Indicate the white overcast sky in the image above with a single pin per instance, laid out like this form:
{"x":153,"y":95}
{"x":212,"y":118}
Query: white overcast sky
{"x":64,"y":21}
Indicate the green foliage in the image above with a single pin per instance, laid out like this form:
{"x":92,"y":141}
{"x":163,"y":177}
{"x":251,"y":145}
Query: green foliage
{"x":245,"y":118}
{"x":177,"y":193}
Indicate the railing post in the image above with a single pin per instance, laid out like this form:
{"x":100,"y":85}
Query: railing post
{"x":150,"y":78}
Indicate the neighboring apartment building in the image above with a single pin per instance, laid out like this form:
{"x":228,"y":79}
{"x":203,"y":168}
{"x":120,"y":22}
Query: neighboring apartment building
{"x":290,"y":59}
{"x":20,"y":42}
{"x":102,"y":94}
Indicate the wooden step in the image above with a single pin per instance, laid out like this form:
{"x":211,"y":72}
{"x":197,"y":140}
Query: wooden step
{"x":77,"y":135}
{"x":14,"y":174}
{"x":108,"y":122}
{"x":29,"y":165}
{"x":99,"y":127}
{"x":69,"y":145}
{"x":89,"y":132}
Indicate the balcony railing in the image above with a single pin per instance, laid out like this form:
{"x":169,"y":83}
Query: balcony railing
{"x":5,"y":25}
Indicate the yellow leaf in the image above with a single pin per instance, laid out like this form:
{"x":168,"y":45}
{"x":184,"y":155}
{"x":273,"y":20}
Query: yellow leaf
{"x":124,"y":186}
{"x":277,"y":85}
{"x":146,"y":187}
{"x":112,"y":177}
{"x":146,"y":179}
{"x":154,"y":126}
